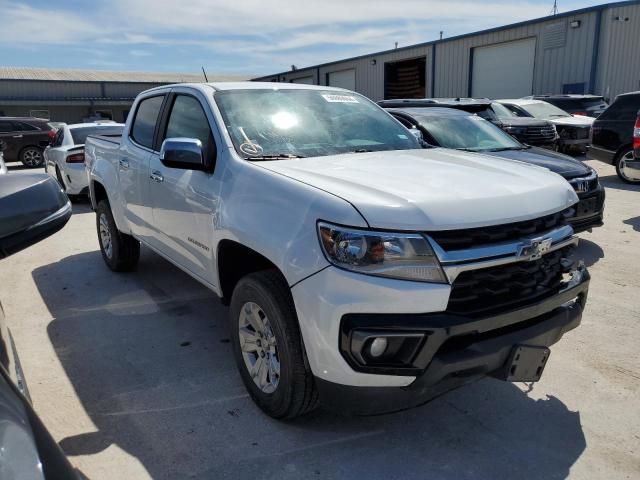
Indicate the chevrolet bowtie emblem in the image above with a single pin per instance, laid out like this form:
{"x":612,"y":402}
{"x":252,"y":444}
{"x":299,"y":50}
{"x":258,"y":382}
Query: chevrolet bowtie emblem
{"x":535,"y":249}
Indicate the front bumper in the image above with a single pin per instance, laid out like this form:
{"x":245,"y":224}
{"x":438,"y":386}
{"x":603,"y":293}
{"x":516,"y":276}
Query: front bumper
{"x":589,"y":211}
{"x":457,"y":350}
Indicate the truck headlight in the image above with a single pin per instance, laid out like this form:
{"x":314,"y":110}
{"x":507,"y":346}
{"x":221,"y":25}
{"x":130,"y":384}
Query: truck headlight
{"x":405,"y":256}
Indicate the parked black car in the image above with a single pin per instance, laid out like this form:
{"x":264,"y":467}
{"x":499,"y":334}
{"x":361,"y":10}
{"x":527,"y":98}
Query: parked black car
{"x":25,"y":139}
{"x":613,"y":136}
{"x":32,"y":207}
{"x":452,"y":128}
{"x":587,"y":105}
{"x":532,"y":131}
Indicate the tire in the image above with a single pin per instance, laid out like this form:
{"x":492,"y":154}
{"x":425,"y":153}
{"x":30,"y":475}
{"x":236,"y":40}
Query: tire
{"x":289,"y":389}
{"x":32,"y":157}
{"x":119,"y":251}
{"x":626,"y":154}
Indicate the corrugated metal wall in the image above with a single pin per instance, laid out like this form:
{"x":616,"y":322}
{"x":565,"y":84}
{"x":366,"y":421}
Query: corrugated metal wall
{"x":557,"y":62}
{"x":564,"y":55}
{"x":619,"y":59}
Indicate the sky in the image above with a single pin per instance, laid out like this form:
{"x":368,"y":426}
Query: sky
{"x":246,"y":37}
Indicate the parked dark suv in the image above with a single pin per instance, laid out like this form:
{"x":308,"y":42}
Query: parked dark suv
{"x":613,"y":135}
{"x":25,"y":139}
{"x":532,"y":131}
{"x":586,"y":105}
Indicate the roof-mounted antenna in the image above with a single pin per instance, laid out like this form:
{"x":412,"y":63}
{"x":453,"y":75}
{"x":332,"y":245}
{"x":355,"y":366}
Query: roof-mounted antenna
{"x":205,"y":75}
{"x":554,"y":10}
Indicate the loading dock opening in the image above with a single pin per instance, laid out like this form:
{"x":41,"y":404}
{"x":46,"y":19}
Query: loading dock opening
{"x":405,"y":79}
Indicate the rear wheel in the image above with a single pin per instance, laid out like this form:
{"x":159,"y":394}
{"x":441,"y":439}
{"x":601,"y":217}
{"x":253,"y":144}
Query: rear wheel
{"x":32,"y":157}
{"x":621,"y":166}
{"x":119,"y":251}
{"x":268,"y":347}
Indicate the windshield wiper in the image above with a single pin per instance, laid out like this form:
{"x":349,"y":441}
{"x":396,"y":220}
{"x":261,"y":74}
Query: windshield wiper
{"x":361,"y":150}
{"x":278,"y":156}
{"x":504,"y":149}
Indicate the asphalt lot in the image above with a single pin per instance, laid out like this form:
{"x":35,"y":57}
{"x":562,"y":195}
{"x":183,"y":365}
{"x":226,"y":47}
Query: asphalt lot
{"x":133,"y":375}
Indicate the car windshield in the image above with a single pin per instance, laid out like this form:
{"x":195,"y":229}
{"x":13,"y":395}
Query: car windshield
{"x":308,"y":123}
{"x":80,"y":134}
{"x":501,"y":111}
{"x":544,"y":110}
{"x":468,"y":133}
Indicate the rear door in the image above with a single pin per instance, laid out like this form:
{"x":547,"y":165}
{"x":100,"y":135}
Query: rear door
{"x":133,"y":165}
{"x":184,"y":200}
{"x":11,"y":140}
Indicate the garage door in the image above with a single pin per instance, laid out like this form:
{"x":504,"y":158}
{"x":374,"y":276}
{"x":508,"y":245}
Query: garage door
{"x":305,"y":80}
{"x":343,"y":79}
{"x":504,"y":70}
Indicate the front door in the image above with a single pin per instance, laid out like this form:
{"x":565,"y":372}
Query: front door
{"x":184,"y":201}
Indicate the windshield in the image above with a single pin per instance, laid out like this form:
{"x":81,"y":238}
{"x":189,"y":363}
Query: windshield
{"x":501,"y":111}
{"x":544,"y":110}
{"x":80,"y":134}
{"x":308,"y":123}
{"x":468,"y":133}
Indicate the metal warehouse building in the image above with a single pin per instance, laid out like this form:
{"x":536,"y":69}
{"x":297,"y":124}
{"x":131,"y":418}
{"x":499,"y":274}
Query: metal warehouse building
{"x":75,"y":95}
{"x":592,"y":50}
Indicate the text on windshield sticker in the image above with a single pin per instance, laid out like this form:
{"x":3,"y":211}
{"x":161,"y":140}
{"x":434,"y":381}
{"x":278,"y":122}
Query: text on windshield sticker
{"x":340,"y":98}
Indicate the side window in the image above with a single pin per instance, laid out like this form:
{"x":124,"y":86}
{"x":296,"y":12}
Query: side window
{"x":26,"y":127}
{"x":59,"y":138}
{"x":187,"y":119}
{"x":144,"y":123}
{"x":16,"y":126}
{"x":5,"y":127}
{"x":624,"y":108}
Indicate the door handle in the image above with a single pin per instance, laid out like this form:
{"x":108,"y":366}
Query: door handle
{"x":157,"y":176}
{"x":124,"y":163}
{"x":17,"y":136}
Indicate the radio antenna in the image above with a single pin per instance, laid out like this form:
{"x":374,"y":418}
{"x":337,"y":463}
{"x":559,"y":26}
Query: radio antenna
{"x":205,"y":75}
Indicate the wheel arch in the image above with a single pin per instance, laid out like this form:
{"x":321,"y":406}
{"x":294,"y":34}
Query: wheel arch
{"x":234,"y":261}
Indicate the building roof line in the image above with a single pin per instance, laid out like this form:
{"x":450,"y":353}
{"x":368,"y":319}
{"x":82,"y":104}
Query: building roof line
{"x":580,"y":11}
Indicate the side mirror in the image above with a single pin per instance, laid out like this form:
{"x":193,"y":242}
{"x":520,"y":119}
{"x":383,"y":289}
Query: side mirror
{"x":32,"y":207}
{"x":417,"y":133}
{"x":185,"y":153}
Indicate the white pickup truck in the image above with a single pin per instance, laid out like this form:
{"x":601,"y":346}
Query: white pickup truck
{"x":363,"y":272}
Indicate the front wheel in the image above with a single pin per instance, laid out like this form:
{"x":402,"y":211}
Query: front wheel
{"x":622,"y":169}
{"x":268,"y":347}
{"x":32,"y":157}
{"x":119,"y":251}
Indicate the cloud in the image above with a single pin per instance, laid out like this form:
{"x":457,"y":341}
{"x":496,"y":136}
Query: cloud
{"x":139,"y":53}
{"x":254,"y":35}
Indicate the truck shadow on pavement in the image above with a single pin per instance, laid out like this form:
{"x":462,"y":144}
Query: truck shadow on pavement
{"x":150,"y":361}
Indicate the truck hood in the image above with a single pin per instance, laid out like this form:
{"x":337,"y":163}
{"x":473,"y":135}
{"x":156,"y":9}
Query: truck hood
{"x":575,"y":121}
{"x":433,"y":189}
{"x":556,"y":162}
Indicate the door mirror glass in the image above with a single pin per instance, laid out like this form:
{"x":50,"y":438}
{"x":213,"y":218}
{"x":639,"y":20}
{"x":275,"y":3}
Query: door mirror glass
{"x":32,"y":207}
{"x":185,"y":153}
{"x":417,"y":133}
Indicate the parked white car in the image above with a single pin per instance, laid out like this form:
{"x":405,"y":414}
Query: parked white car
{"x":64,"y":158}
{"x":574,"y":131}
{"x":362,"y":271}
{"x":3,"y":167}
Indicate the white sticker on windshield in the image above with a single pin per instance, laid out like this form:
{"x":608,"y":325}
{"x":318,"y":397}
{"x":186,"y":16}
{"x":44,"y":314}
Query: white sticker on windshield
{"x":340,"y":98}
{"x":403,"y":137}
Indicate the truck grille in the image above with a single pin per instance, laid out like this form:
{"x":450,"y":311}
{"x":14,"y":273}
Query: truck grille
{"x":473,"y":237}
{"x":584,"y":184}
{"x":477,"y":293}
{"x":540,"y":135}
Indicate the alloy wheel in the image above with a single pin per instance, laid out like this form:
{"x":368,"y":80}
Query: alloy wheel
{"x":32,"y":157}
{"x":622,"y":167}
{"x":259,"y":347}
{"x":105,"y":236}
